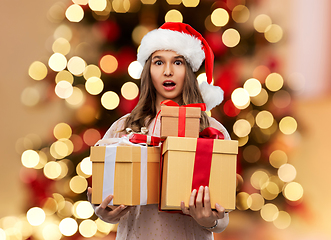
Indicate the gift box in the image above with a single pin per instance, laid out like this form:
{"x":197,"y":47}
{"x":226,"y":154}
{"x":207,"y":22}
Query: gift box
{"x":180,"y":121}
{"x":129,"y":173}
{"x":189,"y":163}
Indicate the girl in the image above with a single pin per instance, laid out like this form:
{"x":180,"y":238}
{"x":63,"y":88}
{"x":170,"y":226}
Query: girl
{"x":170,"y":56}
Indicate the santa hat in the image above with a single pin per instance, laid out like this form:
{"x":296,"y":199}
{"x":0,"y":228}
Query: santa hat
{"x":189,"y":43}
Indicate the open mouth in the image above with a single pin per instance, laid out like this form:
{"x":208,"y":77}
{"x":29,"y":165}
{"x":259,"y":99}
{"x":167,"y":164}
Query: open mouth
{"x":169,"y":84}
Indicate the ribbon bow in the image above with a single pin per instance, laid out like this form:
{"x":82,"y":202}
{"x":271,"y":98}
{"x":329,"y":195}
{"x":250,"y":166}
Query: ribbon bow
{"x":211,"y":133}
{"x":202,"y":106}
{"x":142,"y":137}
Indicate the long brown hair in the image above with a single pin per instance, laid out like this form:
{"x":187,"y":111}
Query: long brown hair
{"x":145,"y":110}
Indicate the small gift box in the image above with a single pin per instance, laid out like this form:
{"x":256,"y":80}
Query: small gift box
{"x":130,"y":173}
{"x":180,"y":121}
{"x":189,"y":163}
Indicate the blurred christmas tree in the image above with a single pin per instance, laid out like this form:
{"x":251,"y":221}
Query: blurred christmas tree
{"x":92,"y":69}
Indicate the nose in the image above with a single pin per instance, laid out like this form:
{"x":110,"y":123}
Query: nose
{"x":168,"y":70}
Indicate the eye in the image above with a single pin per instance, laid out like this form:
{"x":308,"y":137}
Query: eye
{"x":178,"y":62}
{"x":158,"y":62}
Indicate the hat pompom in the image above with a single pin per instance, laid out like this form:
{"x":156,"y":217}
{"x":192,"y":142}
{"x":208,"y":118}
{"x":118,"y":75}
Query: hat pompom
{"x":212,"y":95}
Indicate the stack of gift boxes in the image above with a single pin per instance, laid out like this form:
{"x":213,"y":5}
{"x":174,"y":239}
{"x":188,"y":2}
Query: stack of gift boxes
{"x":167,"y":172}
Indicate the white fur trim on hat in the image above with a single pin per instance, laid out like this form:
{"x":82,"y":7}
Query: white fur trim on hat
{"x":164,"y":39}
{"x":212,"y":95}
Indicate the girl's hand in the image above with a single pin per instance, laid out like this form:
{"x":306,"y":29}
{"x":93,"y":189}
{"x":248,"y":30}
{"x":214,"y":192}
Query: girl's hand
{"x":202,"y":213}
{"x":105,"y":213}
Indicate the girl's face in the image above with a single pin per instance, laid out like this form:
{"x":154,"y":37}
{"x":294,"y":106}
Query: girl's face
{"x":168,"y":74}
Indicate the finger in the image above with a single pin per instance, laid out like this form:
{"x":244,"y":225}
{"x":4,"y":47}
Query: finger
{"x":192,"y":199}
{"x":89,"y":194}
{"x":123,"y":211}
{"x":206,"y":199}
{"x":106,"y":201}
{"x":220,"y":211}
{"x":117,"y":211}
{"x":184,"y":209}
{"x":199,"y":197}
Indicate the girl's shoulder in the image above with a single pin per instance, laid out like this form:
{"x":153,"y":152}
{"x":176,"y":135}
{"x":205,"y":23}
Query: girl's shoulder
{"x":115,"y":130}
{"x":216,"y":124}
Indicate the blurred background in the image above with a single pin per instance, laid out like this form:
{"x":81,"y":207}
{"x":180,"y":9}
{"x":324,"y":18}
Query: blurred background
{"x":68,"y":71}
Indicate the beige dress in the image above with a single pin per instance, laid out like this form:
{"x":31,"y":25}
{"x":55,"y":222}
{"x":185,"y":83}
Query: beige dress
{"x":146,"y":222}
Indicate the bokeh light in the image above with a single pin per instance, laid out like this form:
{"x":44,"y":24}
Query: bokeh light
{"x":97,"y":5}
{"x":253,"y":87}
{"x":63,"y":89}
{"x":63,"y":31}
{"x":74,"y":13}
{"x":61,"y":45}
{"x":91,"y":136}
{"x":37,"y":70}
{"x":242,"y":201}
{"x":288,"y":125}
{"x":274,"y":82}
{"x":84,"y":210}
{"x":261,"y":22}
{"x":35,"y":216}
{"x":273,"y":33}
{"x":251,"y":153}
{"x":129,"y":90}
{"x":293,"y":191}
{"x":94,"y":85}
{"x":264,"y":119}
{"x":57,"y":62}
{"x":123,"y":6}
{"x":68,"y":226}
{"x":92,"y":71}
{"x":88,"y":228}
{"x":62,"y":130}
{"x":231,"y":37}
{"x":30,"y":96}
{"x":261,"y":98}
{"x":281,"y":99}
{"x":86,"y":166}
{"x":51,"y":232}
{"x":240,"y":13}
{"x":108,"y":64}
{"x":78,"y":184}
{"x":30,"y":158}
{"x":173,"y":16}
{"x":240,"y":98}
{"x":283,"y":220}
{"x":191,"y":3}
{"x":174,"y":2}
{"x":269,"y":212}
{"x":52,"y":170}
{"x":76,"y":99}
{"x":277,"y":158}
{"x":219,"y":17}
{"x":242,"y":128}
{"x":259,"y":178}
{"x":287,"y":172}
{"x":64,"y":76}
{"x":138,"y":33}
{"x":110,"y":100}
{"x":255,"y":201}
{"x":76,"y":65}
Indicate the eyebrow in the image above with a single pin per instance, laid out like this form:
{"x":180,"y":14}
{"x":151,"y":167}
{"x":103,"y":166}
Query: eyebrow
{"x":160,"y":57}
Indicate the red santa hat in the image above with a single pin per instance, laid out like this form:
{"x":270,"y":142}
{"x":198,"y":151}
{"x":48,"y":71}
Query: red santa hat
{"x":186,"y":41}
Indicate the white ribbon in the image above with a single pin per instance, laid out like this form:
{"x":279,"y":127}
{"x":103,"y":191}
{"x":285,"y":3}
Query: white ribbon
{"x":109,"y":166}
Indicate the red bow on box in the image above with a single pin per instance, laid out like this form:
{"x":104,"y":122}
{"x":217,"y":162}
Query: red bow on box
{"x":203,"y":156}
{"x":174,"y":104}
{"x":141,"y":138}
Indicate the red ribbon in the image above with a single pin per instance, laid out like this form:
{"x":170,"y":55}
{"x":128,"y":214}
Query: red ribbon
{"x":182,"y":113}
{"x":203,"y":157}
{"x":142,"y":138}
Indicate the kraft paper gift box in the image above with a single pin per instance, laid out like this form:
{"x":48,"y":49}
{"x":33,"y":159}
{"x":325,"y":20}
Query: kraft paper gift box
{"x":180,"y":121}
{"x":182,"y":172}
{"x":129,"y":173}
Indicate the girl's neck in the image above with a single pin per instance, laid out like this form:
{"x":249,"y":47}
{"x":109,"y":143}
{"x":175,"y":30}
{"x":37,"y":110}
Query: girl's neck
{"x":160,"y":99}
